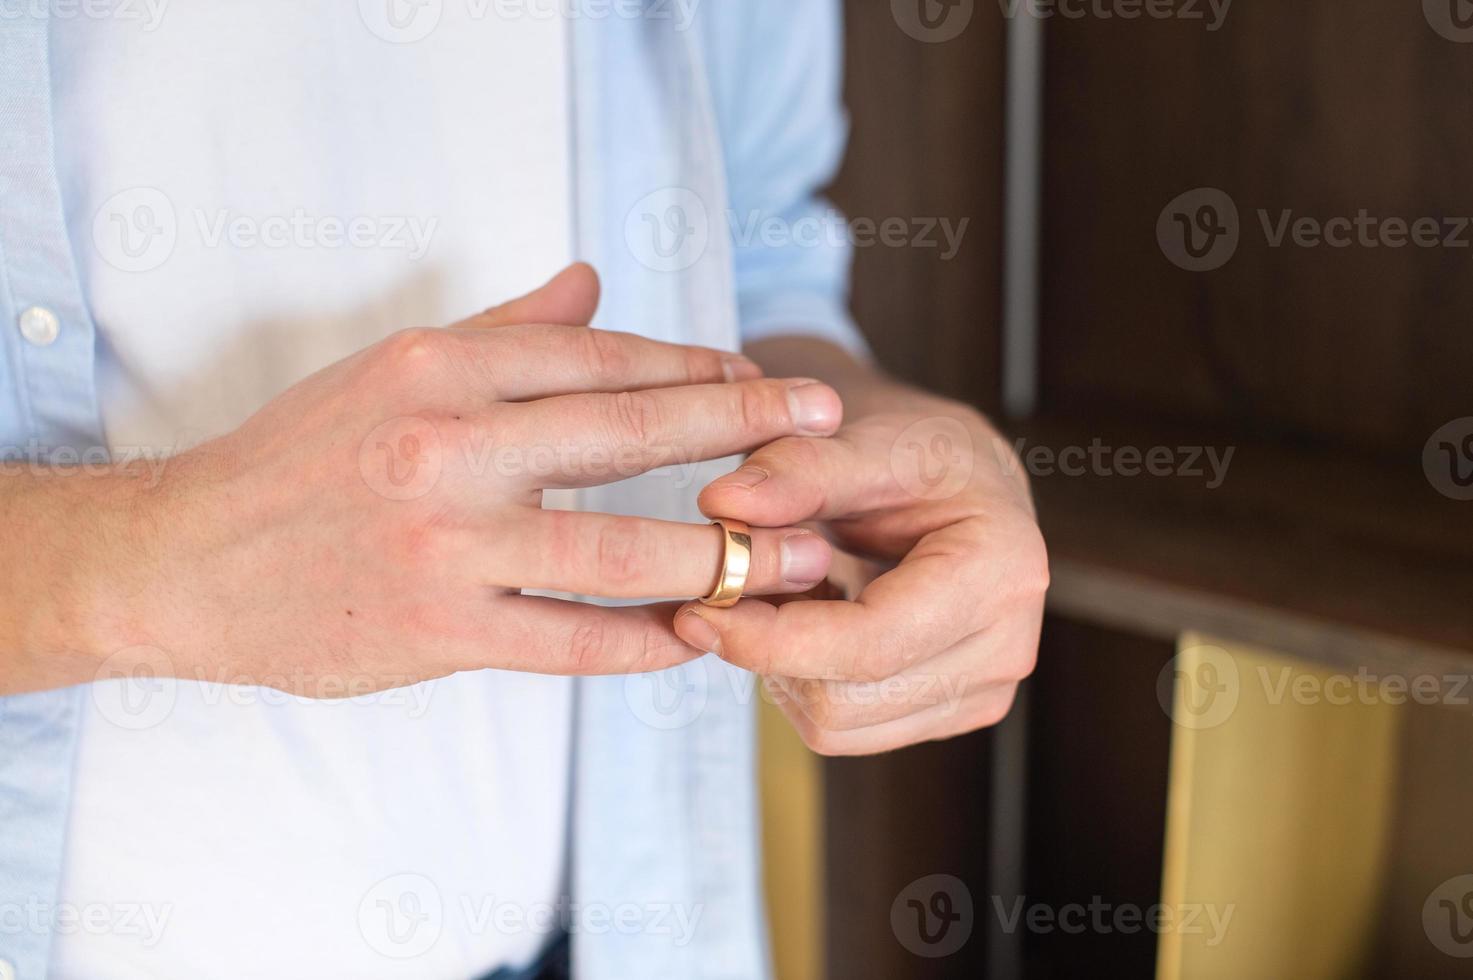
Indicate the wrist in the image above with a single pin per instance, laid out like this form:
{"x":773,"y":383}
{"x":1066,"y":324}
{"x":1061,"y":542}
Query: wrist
{"x":101,"y":574}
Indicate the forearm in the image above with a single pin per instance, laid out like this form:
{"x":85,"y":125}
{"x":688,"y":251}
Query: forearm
{"x":68,"y":534}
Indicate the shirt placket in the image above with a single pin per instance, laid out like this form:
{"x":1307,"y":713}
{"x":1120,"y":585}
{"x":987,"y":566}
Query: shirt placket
{"x":47,"y":400}
{"x":49,"y":336}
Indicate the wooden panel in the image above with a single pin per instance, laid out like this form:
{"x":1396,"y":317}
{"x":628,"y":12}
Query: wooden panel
{"x":792,"y":846}
{"x":926,"y":144}
{"x":1315,"y":106}
{"x":1369,"y":551}
{"x":1431,"y":848}
{"x":894,"y":820}
{"x":1280,"y":815}
{"x":1096,"y":802}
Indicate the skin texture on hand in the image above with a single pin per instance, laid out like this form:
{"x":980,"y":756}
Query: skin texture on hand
{"x":940,"y":550}
{"x":374,"y":525}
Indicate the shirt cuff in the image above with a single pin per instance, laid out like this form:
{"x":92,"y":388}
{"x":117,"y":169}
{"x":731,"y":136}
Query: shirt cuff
{"x":802,"y":314}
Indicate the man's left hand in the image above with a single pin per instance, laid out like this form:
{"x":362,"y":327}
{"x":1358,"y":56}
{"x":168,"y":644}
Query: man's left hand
{"x":949,"y":588}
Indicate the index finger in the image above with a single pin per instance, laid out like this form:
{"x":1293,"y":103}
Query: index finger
{"x":531,"y":361}
{"x":582,"y":440}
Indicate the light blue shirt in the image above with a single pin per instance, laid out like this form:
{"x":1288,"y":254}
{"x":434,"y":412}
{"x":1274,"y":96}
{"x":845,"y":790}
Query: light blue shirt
{"x":744,"y":110}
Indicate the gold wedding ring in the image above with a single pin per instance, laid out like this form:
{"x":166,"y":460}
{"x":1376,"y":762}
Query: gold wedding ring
{"x":736,"y":562}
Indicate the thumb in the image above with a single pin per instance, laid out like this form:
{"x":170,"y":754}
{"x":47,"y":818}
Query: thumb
{"x":570,"y":298}
{"x":798,"y":479}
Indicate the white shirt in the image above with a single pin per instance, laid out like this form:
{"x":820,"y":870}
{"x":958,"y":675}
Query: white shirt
{"x":254,"y":191}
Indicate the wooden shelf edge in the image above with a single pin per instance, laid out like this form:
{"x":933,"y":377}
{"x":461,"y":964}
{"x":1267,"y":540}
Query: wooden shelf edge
{"x":1151,"y":607}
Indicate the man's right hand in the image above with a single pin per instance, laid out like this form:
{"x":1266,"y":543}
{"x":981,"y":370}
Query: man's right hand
{"x":375,"y":524}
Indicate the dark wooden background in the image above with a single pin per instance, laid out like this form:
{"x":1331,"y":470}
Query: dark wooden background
{"x":926,"y":142}
{"x":1352,"y":356}
{"x":1320,"y":107}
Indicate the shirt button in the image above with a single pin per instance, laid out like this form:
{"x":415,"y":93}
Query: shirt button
{"x":41,"y":327}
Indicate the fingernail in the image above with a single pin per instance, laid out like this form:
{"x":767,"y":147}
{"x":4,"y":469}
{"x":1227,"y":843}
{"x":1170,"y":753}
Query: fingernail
{"x":738,"y":368}
{"x":747,"y":477}
{"x":805,"y":559}
{"x":814,"y":407}
{"x":694,"y":630}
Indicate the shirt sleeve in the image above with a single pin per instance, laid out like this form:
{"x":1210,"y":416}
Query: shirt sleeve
{"x":776,"y":68}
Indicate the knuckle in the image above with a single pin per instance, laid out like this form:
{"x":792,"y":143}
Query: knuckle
{"x":795,"y":456}
{"x":702,"y":366}
{"x":634,"y":417}
{"x":827,"y":713}
{"x":587,"y":646}
{"x":1025,"y":664}
{"x":619,"y":555}
{"x":761,"y":407}
{"x":416,"y":543}
{"x":820,"y":741}
{"x":811,"y":699}
{"x":603,"y":355}
{"x":653,"y":650}
{"x":1033,"y":562}
{"x":414,"y":349}
{"x":991,"y":711}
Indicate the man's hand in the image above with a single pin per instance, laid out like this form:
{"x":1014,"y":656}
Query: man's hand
{"x":936,"y":645}
{"x":374,"y":525}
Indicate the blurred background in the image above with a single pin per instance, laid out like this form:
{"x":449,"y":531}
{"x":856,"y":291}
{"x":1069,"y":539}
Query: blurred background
{"x":1215,"y":279}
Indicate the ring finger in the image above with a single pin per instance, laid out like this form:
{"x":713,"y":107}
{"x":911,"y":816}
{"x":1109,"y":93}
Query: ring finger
{"x":639,"y":558}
